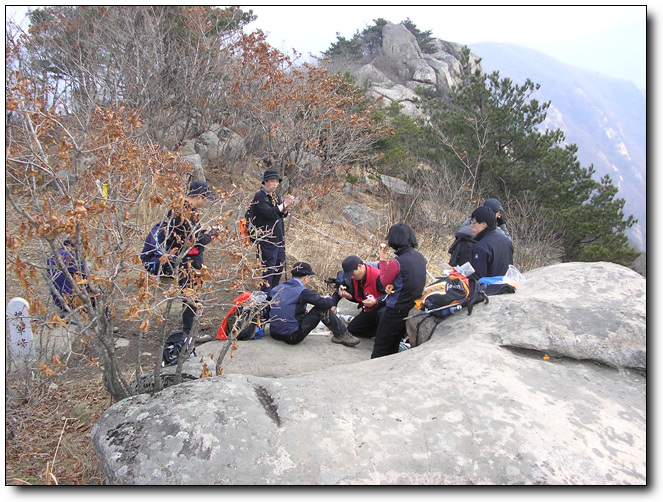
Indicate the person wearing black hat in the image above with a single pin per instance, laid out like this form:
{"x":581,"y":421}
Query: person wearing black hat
{"x":290,"y":322}
{"x":185,"y":234}
{"x":493,"y":252}
{"x":361,"y":285}
{"x":268,"y":212}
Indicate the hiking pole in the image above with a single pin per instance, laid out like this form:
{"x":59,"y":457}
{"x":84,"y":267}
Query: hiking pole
{"x":455,"y":305}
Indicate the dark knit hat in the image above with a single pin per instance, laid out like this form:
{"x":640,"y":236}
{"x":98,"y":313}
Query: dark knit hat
{"x":271,"y":174}
{"x":493,"y":204}
{"x":301,"y":269}
{"x":350,"y":264}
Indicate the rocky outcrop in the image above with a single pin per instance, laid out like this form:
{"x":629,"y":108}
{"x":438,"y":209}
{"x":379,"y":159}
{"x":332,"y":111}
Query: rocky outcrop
{"x":401,"y":68}
{"x":587,"y":312}
{"x":464,"y":408}
{"x":363,"y":216}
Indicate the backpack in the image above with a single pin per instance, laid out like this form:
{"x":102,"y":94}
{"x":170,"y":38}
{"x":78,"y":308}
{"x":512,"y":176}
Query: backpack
{"x":153,"y":255}
{"x":247,"y":228}
{"x":461,"y":249}
{"x":172,"y":348}
{"x":446,"y":296}
{"x":251,"y":310}
{"x":448,"y":291}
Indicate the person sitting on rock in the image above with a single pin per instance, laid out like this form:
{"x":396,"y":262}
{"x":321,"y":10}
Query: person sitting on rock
{"x":461,"y":250}
{"x":493,"y":252}
{"x":362,"y":286}
{"x":290,"y":322}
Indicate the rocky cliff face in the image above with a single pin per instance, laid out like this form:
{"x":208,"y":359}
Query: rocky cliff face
{"x":401,"y":67}
{"x":477,"y":404}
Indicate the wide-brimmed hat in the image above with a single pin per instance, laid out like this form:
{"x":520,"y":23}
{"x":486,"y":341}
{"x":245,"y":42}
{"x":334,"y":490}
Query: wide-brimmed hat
{"x":350,"y":264}
{"x":200,"y":188}
{"x":301,"y":269}
{"x":271,"y":174}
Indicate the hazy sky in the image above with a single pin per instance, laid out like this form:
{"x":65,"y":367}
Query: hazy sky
{"x":608,"y":39}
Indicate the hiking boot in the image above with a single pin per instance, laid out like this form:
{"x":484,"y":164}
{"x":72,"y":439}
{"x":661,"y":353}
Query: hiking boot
{"x":346,"y":339}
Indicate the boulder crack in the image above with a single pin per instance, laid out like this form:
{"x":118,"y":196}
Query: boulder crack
{"x":268,"y":404}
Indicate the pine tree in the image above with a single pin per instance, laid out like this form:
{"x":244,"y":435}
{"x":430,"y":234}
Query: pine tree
{"x":491,"y":132}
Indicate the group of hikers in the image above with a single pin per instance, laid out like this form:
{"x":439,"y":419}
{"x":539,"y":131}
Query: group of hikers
{"x":384,"y":292}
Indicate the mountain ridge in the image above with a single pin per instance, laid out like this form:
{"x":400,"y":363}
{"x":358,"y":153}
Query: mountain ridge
{"x":603,"y":115}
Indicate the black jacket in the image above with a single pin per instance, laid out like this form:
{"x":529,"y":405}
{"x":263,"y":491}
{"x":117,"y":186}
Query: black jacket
{"x":267,"y":218}
{"x":492,"y":254}
{"x":184,"y":231}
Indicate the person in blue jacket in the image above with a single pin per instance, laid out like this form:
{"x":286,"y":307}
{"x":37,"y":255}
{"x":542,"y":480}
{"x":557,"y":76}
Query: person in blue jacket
{"x":289,"y":321}
{"x":61,"y":289}
{"x":493,"y":252}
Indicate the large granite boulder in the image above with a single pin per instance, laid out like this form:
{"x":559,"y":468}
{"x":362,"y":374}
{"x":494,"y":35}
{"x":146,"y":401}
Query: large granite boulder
{"x":585,"y":311}
{"x":460,"y":409}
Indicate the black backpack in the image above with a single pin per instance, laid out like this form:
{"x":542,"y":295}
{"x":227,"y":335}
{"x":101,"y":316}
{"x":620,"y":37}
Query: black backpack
{"x":172,"y":348}
{"x":461,"y":249}
{"x":447,"y":295}
{"x":250,"y":225}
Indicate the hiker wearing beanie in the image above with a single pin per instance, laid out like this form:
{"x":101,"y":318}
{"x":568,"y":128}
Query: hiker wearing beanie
{"x":493,"y":251}
{"x":269,"y":212}
{"x":291,"y":323}
{"x":361,"y":285}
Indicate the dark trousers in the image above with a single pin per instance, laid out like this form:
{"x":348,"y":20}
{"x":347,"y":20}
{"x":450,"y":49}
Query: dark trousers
{"x":272,"y":258}
{"x":188,"y":307}
{"x":310,"y":321}
{"x":365,"y":324}
{"x":390,"y":332}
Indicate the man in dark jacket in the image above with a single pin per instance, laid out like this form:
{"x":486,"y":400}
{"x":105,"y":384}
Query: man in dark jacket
{"x":361,"y":285}
{"x":290,"y":322}
{"x":493,"y":252}
{"x":461,"y":249}
{"x":185,"y":234}
{"x":268,"y":212}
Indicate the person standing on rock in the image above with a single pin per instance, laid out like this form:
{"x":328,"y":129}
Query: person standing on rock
{"x":404,"y":278}
{"x":290,"y":322}
{"x":493,"y":252}
{"x":268,"y":212}
{"x":362,"y":286}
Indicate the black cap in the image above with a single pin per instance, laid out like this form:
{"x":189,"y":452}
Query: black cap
{"x":493,"y":204}
{"x":271,"y":174}
{"x":301,"y":268}
{"x":350,"y":264}
{"x":200,"y":188}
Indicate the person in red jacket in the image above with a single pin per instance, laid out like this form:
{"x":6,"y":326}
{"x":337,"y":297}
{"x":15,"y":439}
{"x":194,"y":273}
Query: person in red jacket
{"x":362,"y":286}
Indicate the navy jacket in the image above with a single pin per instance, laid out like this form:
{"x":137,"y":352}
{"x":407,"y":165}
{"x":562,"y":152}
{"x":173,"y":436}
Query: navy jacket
{"x":492,"y":254}
{"x":409,"y":280}
{"x":288,"y":306}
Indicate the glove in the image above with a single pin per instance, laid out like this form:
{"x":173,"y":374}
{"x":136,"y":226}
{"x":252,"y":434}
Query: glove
{"x":501,"y":221}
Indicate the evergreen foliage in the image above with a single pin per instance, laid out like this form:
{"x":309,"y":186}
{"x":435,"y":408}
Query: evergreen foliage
{"x":491,"y":133}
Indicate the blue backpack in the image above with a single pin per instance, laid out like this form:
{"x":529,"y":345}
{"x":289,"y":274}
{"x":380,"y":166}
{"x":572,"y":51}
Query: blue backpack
{"x":154,"y":249}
